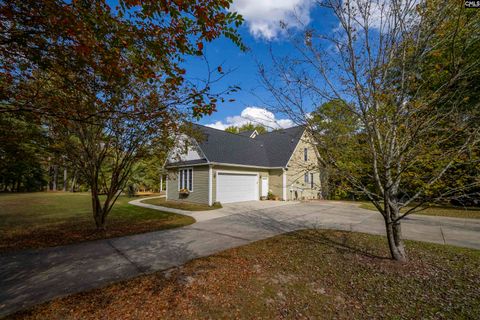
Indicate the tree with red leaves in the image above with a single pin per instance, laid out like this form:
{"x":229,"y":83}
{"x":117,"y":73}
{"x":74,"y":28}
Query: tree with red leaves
{"x":108,"y":81}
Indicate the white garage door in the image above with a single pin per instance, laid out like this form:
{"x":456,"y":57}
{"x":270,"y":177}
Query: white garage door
{"x":236,"y":187}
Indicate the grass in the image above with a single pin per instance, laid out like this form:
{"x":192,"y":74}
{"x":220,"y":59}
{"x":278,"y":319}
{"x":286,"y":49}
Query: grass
{"x":182,"y":205}
{"x":442,"y":211}
{"x":309,"y":274}
{"x":35,"y":220}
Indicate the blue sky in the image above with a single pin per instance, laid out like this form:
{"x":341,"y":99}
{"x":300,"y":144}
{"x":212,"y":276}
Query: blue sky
{"x":261,"y":31}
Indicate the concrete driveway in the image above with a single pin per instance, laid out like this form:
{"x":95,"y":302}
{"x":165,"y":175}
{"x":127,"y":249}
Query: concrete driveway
{"x":34,"y":276}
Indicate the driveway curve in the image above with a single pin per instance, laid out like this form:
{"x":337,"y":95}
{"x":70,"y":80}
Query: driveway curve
{"x":34,"y":276}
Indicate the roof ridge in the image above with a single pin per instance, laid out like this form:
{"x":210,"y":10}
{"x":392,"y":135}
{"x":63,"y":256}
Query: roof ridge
{"x":235,"y":134}
{"x":281,"y":129}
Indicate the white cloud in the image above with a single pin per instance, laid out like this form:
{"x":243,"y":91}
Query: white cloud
{"x":253,"y":115}
{"x":263,"y":17}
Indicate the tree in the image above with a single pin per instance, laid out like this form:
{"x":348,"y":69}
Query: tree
{"x":109,"y":83}
{"x":232,"y":129}
{"x":23,"y":148}
{"x":339,"y":131}
{"x":247,"y":127}
{"x":146,"y":172}
{"x":251,"y":126}
{"x":373,"y":61}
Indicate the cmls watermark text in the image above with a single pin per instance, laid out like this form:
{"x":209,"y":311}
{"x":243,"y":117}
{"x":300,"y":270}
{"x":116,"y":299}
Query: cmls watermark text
{"x":472,"y":3}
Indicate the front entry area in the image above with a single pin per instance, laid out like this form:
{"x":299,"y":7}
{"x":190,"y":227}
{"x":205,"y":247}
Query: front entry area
{"x":237,"y":187}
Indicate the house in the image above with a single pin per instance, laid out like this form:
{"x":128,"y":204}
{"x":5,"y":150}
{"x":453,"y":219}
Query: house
{"x":219,"y":166}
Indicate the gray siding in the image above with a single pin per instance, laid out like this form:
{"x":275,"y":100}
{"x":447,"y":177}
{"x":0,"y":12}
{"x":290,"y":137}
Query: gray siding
{"x":200,"y":185}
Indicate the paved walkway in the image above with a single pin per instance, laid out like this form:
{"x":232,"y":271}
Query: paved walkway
{"x":34,"y":276}
{"x":226,"y":210}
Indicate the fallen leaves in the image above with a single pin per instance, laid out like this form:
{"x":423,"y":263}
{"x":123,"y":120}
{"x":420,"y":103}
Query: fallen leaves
{"x":301,"y":275}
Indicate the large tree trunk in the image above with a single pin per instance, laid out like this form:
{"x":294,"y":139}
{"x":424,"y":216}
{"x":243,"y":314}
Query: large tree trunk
{"x":395,"y":241}
{"x":394,"y":232}
{"x":101,"y":210}
{"x":98,"y":212}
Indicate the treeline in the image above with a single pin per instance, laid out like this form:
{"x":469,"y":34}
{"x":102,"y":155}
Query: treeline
{"x":31,"y":160}
{"x":342,"y":137}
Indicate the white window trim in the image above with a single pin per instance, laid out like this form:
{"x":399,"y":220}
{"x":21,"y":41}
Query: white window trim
{"x":178,"y":177}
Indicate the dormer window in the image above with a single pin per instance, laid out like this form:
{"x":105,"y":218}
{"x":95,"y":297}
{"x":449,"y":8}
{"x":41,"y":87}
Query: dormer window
{"x":305,"y":154}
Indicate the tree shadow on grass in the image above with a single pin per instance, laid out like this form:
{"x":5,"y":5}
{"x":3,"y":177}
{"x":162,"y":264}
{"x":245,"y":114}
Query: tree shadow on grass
{"x":304,"y":230}
{"x":343,"y":243}
{"x":311,"y":231}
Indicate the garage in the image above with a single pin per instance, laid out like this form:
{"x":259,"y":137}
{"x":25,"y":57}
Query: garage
{"x":236,"y":187}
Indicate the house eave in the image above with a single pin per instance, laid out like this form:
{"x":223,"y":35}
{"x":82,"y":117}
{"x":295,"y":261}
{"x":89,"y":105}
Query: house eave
{"x":223,"y":164}
{"x":243,"y":165}
{"x":187,"y":165}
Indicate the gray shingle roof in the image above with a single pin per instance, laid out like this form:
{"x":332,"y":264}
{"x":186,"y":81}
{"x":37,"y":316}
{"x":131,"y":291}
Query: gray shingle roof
{"x":280,"y":144}
{"x":271,"y":149}
{"x":247,"y":133}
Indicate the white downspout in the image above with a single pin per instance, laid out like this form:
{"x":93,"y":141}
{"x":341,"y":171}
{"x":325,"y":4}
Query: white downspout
{"x":210,"y":187}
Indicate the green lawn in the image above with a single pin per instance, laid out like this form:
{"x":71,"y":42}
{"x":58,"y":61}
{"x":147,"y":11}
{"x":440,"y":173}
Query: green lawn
{"x":34,"y":220}
{"x":303,"y":275}
{"x":182,"y":205}
{"x":443,"y":211}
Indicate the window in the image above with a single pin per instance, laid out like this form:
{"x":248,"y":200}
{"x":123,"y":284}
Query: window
{"x":305,"y":154}
{"x":305,"y":177}
{"x":311,"y":180}
{"x":185,"y":179}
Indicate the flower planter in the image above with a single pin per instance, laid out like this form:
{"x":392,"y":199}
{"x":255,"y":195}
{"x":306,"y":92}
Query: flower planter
{"x":183,"y":193}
